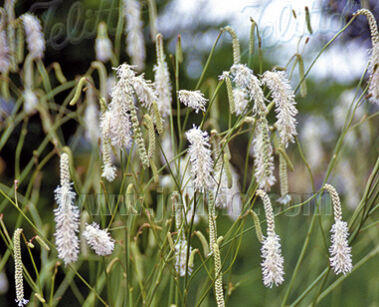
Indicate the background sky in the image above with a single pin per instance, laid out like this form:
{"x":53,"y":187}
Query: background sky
{"x":279,"y":29}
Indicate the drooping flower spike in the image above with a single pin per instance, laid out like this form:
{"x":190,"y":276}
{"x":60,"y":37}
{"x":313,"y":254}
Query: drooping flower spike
{"x":373,"y":69}
{"x":340,"y":251}
{"x":200,"y":158}
{"x":272,"y":265}
{"x":249,"y":84}
{"x":284,"y":98}
{"x":18,"y":269}
{"x":103,"y":45}
{"x":263,"y":155}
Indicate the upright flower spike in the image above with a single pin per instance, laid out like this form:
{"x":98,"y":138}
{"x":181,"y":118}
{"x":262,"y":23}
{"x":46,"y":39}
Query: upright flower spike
{"x":373,"y":70}
{"x":263,"y":157}
{"x":103,"y":45}
{"x":340,"y":251}
{"x":193,"y":99}
{"x":99,"y":239}
{"x":284,"y":99}
{"x":272,"y":265}
{"x":18,"y":269}
{"x":66,"y":216}
{"x":134,"y":30}
{"x":200,"y":158}
{"x":162,"y":80}
{"x":245,"y":80}
{"x":34,"y":36}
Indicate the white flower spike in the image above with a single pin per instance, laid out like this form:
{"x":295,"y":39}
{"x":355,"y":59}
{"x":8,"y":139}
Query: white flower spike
{"x":272,"y":265}
{"x":99,"y":239}
{"x":66,"y":216}
{"x":340,"y":251}
{"x":201,"y":160}
{"x":284,"y":99}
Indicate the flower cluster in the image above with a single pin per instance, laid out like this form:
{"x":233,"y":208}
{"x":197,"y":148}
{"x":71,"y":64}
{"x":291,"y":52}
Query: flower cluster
{"x":248,"y":85}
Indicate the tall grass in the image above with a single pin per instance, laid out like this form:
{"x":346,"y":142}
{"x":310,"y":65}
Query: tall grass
{"x":180,"y":239}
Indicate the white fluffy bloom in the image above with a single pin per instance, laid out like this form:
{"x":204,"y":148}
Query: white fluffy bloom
{"x":272,"y":265}
{"x":119,"y":119}
{"x":99,"y":239}
{"x":340,"y":252}
{"x":284,"y":99}
{"x":30,"y":101}
{"x":4,"y":52}
{"x":109,"y":171}
{"x":135,"y":44}
{"x":241,"y":100}
{"x":193,"y":99}
{"x":103,"y":48}
{"x":162,"y":80}
{"x":200,"y":158}
{"x":263,"y":156}
{"x":66,"y":216}
{"x":129,"y":83}
{"x":181,"y":257}
{"x":144,"y":90}
{"x":244,"y":78}
{"x":34,"y":35}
